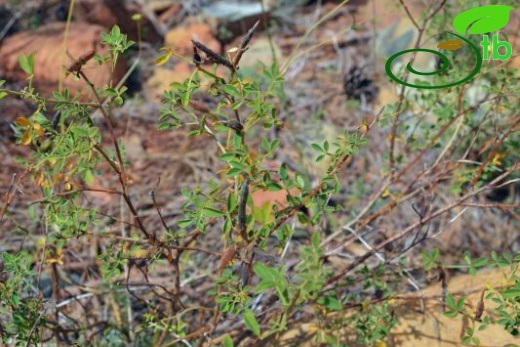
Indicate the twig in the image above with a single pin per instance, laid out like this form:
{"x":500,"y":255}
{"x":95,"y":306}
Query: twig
{"x":8,"y":197}
{"x":397,"y":113}
{"x":495,"y":149}
{"x":409,"y":229}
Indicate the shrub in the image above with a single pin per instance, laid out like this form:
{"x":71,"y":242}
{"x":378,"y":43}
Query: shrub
{"x":247,"y":279}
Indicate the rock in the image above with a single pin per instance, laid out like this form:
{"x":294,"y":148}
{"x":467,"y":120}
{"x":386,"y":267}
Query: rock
{"x":108,"y":13}
{"x":179,"y":39}
{"x":232,"y":19}
{"x":163,"y":77}
{"x":279,"y":197}
{"x":260,"y":52}
{"x":51,"y":59}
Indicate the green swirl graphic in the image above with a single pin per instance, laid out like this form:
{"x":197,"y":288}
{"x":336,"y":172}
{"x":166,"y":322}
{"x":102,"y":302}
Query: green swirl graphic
{"x":445,"y":65}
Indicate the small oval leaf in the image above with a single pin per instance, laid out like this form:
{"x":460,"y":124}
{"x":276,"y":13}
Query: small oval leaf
{"x":27,"y":63}
{"x":513,"y":293}
{"x":163,"y":59}
{"x":483,"y":19}
{"x":211,"y":212}
{"x":26,"y":138}
{"x":250,"y":320}
{"x":22,"y":121}
{"x":451,"y":45}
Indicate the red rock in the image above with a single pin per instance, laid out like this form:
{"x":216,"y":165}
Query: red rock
{"x":260,"y":197}
{"x":179,"y":39}
{"x":108,"y":13}
{"x":51,"y":59}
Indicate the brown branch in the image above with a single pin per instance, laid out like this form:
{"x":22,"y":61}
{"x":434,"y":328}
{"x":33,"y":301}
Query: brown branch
{"x":243,"y":45}
{"x":397,"y":113}
{"x":409,"y":229}
{"x":320,"y":186}
{"x":8,"y":197}
{"x":157,"y":208}
{"x":493,"y":152}
{"x":120,"y":168}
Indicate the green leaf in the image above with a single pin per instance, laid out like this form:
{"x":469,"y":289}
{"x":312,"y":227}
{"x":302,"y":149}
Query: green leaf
{"x":316,"y":241}
{"x":227,"y":156}
{"x":118,"y":101}
{"x":460,"y":304}
{"x":111,"y":91}
{"x":265,"y":144}
{"x":88,"y":176}
{"x":263,"y":214}
{"x":482,"y":19}
{"x":178,"y":86}
{"x":450,"y":302}
{"x":211,"y":212}
{"x":232,"y":202}
{"x":228,"y":225}
{"x":467,"y":257}
{"x":316,"y":147}
{"x":273,"y":187}
{"x":283,"y":172}
{"x":185,"y":99}
{"x":237,"y":105}
{"x":275,"y":144}
{"x":331,"y":303}
{"x":237,"y":141}
{"x":27,"y":63}
{"x":230,"y":90}
{"x":227,"y":341}
{"x":512,"y":293}
{"x":283,"y":294}
{"x":251,"y":322}
{"x":116,"y":32}
{"x":165,"y":126}
{"x":234,"y":172}
{"x":7,"y":257}
{"x":265,"y":273}
{"x":450,"y":313}
{"x":480,"y":262}
{"x":15,"y":299}
{"x":184,"y":223}
{"x":264,"y":285}
{"x":235,"y":164}
{"x":300,"y":181}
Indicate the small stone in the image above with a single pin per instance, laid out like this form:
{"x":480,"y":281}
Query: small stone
{"x":51,"y":59}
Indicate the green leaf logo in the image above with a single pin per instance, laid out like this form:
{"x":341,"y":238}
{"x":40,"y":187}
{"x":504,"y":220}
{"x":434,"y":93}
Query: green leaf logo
{"x":482,"y":19}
